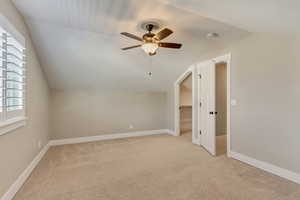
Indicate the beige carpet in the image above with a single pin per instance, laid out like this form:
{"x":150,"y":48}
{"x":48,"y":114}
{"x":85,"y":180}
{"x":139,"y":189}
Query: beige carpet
{"x":186,"y":135}
{"x":149,"y":168}
{"x":221,"y":142}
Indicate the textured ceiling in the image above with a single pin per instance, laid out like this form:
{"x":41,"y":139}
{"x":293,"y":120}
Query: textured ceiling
{"x":267,"y":16}
{"x":78,"y":41}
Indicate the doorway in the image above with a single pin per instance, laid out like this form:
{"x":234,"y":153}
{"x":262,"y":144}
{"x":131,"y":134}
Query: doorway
{"x":183,"y":107}
{"x":186,"y":108}
{"x":221,"y":108}
{"x":214,"y":105}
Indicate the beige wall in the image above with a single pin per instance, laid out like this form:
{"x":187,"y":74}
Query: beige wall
{"x":185,"y":97}
{"x":90,"y":112}
{"x":19,"y":147}
{"x":186,"y":117}
{"x":186,"y":91}
{"x":221,"y":99}
{"x":265,"y":82}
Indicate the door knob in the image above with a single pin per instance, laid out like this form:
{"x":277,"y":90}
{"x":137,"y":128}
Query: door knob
{"x":211,"y":113}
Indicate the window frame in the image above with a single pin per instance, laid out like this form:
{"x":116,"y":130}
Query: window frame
{"x":11,"y":120}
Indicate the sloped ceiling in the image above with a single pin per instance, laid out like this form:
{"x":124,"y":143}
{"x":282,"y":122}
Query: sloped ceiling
{"x":267,"y":16}
{"x":78,"y":41}
{"x":187,"y":83}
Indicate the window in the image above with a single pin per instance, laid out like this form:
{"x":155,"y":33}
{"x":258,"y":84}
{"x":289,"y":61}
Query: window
{"x":12,"y":78}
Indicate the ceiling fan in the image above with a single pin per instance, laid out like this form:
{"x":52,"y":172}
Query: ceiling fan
{"x":150,"y":41}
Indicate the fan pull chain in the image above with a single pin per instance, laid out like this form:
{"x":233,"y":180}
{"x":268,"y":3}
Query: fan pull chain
{"x":151,"y":62}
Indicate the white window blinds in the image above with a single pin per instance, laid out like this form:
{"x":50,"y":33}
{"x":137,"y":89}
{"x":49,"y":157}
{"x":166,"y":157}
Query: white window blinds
{"x":12,"y":76}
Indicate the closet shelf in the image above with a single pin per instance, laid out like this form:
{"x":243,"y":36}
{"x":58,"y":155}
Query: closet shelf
{"x":185,"y":106}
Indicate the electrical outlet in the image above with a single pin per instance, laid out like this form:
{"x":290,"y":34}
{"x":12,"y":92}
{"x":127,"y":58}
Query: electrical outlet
{"x":130,"y":126}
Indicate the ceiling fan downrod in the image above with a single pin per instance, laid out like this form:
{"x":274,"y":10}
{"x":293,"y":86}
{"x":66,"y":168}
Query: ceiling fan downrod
{"x":149,"y":27}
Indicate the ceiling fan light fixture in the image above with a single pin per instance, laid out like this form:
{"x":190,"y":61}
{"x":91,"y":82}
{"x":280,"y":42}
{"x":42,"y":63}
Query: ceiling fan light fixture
{"x":150,"y":48}
{"x":150,"y":41}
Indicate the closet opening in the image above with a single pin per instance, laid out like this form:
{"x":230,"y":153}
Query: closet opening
{"x":221,"y":108}
{"x":186,"y":107}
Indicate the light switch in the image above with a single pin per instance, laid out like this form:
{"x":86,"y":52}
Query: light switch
{"x":233,"y":102}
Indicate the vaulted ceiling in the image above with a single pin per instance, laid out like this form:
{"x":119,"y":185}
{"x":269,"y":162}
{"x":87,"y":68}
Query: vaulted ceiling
{"x":78,"y":41}
{"x":187,"y":83}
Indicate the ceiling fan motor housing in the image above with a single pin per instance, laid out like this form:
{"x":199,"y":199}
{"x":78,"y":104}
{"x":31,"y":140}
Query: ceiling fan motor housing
{"x":149,"y":37}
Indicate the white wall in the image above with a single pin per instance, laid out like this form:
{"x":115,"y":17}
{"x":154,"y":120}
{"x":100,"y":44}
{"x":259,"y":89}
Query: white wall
{"x":265,"y":82}
{"x":91,"y":112}
{"x":19,"y":147}
{"x":221,"y":99}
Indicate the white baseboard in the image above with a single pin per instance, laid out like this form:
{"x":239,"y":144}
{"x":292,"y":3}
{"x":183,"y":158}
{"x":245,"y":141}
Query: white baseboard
{"x":14,"y":188}
{"x":284,"y":173}
{"x":171,"y":132}
{"x":26,"y":173}
{"x":107,"y":137}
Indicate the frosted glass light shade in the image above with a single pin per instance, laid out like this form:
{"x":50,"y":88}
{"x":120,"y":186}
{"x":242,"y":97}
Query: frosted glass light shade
{"x":150,"y":48}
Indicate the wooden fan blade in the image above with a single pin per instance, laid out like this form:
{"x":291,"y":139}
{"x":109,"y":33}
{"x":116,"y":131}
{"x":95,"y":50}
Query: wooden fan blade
{"x":163,"y":34}
{"x":170,"y":45}
{"x":132,"y":36}
{"x":126,"y":48}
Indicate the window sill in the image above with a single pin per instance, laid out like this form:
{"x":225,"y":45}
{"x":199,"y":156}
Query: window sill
{"x":12,"y":124}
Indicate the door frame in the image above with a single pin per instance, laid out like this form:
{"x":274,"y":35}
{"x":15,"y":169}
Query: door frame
{"x":227,"y":59}
{"x":190,"y":71}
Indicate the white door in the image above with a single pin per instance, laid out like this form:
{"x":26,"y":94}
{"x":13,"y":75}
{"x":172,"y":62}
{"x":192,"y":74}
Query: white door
{"x":207,"y":111}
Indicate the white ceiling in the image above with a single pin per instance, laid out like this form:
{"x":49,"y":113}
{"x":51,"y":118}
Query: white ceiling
{"x":267,"y":16}
{"x":78,"y":41}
